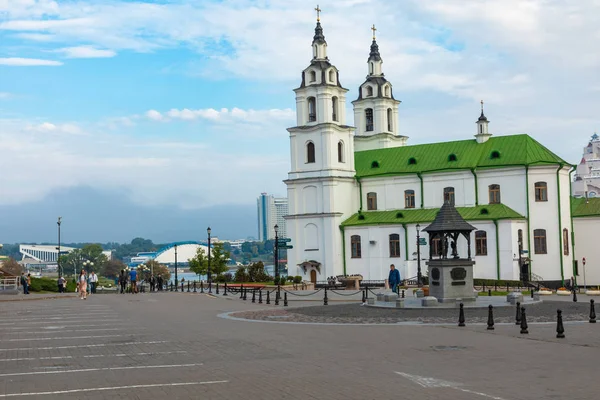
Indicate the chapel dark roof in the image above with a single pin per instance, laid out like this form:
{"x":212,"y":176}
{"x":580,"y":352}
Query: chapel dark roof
{"x":449,"y":220}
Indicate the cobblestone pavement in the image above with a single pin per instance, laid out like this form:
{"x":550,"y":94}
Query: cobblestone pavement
{"x":174,"y":345}
{"x":358,"y":314}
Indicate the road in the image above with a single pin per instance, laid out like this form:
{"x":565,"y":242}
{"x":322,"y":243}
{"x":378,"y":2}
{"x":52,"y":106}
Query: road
{"x":174,"y":345}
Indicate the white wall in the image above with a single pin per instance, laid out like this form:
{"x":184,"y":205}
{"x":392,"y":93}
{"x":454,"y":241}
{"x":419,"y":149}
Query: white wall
{"x":390,"y":191}
{"x":463,"y":183}
{"x":512,"y":187}
{"x":586,"y":245}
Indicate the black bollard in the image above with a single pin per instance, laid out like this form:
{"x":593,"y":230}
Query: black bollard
{"x":181,"y":287}
{"x":225,"y":289}
{"x":285,"y":299}
{"x":242,"y":291}
{"x":403,"y":293}
{"x":592,"y":312}
{"x":490,"y":324}
{"x":560,"y":329}
{"x":277,"y":298}
{"x":195,"y":291}
{"x":367,"y":292}
{"x":260,"y":296}
{"x":188,"y":286}
{"x":253,"y":296}
{"x":217,"y":287}
{"x":325,"y":299}
{"x":518,"y":317}
{"x":461,"y":315}
{"x":490,"y":292}
{"x":171,"y":286}
{"x":364,"y":300}
{"x":201,"y":286}
{"x":532,"y":289}
{"x":245,"y":293}
{"x":210,"y":287}
{"x":574,"y":296}
{"x":268,"y":297}
{"x":524,"y":322}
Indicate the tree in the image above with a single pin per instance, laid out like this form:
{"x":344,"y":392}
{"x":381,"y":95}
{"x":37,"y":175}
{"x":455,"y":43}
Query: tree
{"x":11,"y":267}
{"x":73,"y":261}
{"x":158,"y":269}
{"x":218,"y":261}
{"x":112,"y":268}
{"x":93,"y":252}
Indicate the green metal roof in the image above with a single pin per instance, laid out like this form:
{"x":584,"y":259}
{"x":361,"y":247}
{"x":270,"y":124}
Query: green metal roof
{"x":582,"y":207}
{"x":498,"y":151}
{"x":486,"y":212}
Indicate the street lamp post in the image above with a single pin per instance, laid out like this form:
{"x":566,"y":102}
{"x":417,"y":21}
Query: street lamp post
{"x":58,"y":248}
{"x":521,"y":275}
{"x":276,"y":263}
{"x":176,"y":281}
{"x":419,"y":276}
{"x":209,"y":276}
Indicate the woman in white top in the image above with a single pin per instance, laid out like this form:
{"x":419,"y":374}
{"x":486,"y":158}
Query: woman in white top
{"x":83,"y":285}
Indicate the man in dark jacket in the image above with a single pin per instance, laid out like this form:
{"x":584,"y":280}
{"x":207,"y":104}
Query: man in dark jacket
{"x":394,"y":278}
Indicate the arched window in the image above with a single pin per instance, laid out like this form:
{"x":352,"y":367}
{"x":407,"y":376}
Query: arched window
{"x":369,"y":119}
{"x":334,"y":107}
{"x":310,"y":152}
{"x":566,"y":242}
{"x":331,"y":76}
{"x":355,"y":245}
{"x":480,"y":243}
{"x":541,"y":191}
{"x":371,"y":67}
{"x":481,"y":128}
{"x":494,"y":192}
{"x":341,"y":151}
{"x":409,"y":199}
{"x":436,"y":247}
{"x":539,"y":241}
{"x":371,"y":201}
{"x":394,"y":245}
{"x":369,"y":91}
{"x":387,"y":91}
{"x":312,"y":109}
{"x":449,"y":195}
{"x":313,"y":76}
{"x":389,"y":120}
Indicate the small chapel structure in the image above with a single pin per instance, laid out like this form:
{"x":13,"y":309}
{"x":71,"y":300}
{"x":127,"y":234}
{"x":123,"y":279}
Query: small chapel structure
{"x":357,"y":190}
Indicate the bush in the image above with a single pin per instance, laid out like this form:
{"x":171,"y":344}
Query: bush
{"x":224,"y":278}
{"x":49,"y":285}
{"x":256,"y":272}
{"x":297,"y":279}
{"x":241,"y":275}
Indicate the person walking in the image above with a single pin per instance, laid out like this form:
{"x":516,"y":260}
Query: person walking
{"x":61,"y":284}
{"x":123,"y":281}
{"x":83,"y":285}
{"x":160,"y":282}
{"x":24,"y":283}
{"x":152,"y":283}
{"x":394,"y":278}
{"x":93,"y":282}
{"x":133,"y":279}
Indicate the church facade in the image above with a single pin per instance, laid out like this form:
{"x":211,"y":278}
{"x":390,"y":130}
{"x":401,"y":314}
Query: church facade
{"x":357,"y":195}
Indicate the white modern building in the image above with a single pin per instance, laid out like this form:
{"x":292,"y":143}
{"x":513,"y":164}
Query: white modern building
{"x":43,"y":253}
{"x":358,"y":194}
{"x":587,"y":175}
{"x":271,"y":211}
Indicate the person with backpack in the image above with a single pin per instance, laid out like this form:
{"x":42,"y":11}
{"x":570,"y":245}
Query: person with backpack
{"x":24,"y":283}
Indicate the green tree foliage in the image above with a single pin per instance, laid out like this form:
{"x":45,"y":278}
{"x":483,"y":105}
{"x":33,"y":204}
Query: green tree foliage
{"x":11,"y":267}
{"x":158,"y":269}
{"x":72,"y":262}
{"x":219,"y":258}
{"x":93,"y":252}
{"x":241,"y":275}
{"x":256,"y":272}
{"x":112,"y":268}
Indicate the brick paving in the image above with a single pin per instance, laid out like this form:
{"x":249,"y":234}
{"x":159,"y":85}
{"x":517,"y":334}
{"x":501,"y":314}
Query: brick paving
{"x":174,"y":345}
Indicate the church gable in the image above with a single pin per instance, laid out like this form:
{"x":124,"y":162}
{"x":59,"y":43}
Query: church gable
{"x":499,"y":151}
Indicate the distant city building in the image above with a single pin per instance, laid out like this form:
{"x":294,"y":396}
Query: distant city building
{"x":271,"y":211}
{"x":587,"y":175}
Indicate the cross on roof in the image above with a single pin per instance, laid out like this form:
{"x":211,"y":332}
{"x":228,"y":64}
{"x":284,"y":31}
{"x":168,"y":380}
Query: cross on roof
{"x":374,"y":30}
{"x":318,"y":10}
{"x":481,"y":105}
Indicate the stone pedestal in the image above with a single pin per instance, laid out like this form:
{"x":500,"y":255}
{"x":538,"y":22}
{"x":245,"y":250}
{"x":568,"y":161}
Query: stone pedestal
{"x":399,"y":303}
{"x":429,"y":301}
{"x":451,"y":279}
{"x":514,"y":297}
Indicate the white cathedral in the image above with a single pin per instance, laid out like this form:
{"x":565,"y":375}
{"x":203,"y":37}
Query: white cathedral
{"x":358,"y":194}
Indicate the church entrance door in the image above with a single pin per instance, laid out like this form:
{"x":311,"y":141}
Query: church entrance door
{"x":313,"y":276}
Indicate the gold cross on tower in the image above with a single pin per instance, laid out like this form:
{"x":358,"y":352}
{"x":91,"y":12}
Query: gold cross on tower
{"x":318,"y":10}
{"x":481,"y":105}
{"x":374,"y":30}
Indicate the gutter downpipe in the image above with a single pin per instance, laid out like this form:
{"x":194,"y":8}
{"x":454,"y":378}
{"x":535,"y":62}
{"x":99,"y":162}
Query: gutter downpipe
{"x":422,"y":194}
{"x":476,"y":188}
{"x":560,"y":229}
{"x":360,"y":194}
{"x":343,"y":248}
{"x":528,"y":223}
{"x":405,"y":242}
{"x":497,"y":250}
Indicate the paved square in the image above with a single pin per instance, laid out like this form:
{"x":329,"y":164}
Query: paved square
{"x":174,"y":345}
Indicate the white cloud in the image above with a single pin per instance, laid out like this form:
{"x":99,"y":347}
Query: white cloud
{"x":5,"y":95}
{"x":154,"y":115}
{"x":28,"y":62}
{"x":225,"y":115}
{"x":86,"y":52}
{"x":47,"y":127}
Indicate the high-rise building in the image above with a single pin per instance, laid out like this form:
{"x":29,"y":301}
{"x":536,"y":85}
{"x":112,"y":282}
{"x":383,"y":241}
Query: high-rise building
{"x":587,"y":175}
{"x":271,"y":211}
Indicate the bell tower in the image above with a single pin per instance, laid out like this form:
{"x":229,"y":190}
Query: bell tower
{"x":320,"y":183}
{"x":376,"y":109}
{"x":483,"y":133}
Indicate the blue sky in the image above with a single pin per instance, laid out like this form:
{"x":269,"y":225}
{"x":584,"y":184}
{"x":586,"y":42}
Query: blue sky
{"x":185,"y":103}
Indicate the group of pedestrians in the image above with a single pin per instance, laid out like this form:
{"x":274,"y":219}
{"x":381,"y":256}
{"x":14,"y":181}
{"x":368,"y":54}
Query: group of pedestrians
{"x":25,"y":282}
{"x":124,"y":278}
{"x":156,"y":283}
{"x":86,"y":284}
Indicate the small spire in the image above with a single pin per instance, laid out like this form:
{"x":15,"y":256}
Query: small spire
{"x":482,"y":116}
{"x":374,"y":30}
{"x":318,"y":10}
{"x":374,"y":54}
{"x":319,"y":37}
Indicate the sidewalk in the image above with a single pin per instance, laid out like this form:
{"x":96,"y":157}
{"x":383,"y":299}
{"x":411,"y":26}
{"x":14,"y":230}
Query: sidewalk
{"x":36,"y":296}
